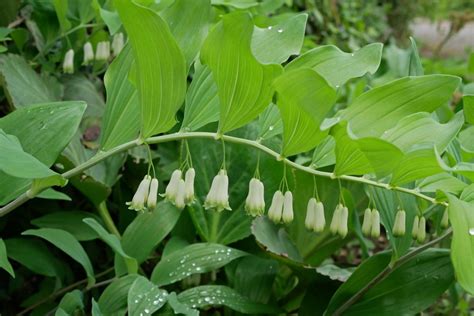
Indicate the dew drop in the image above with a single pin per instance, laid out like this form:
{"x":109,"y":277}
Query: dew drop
{"x":155,"y":302}
{"x":207,"y":299}
{"x":271,"y":128}
{"x":352,"y":54}
{"x":280,"y":31}
{"x":270,"y":27}
{"x":471,"y":231}
{"x":147,"y":311}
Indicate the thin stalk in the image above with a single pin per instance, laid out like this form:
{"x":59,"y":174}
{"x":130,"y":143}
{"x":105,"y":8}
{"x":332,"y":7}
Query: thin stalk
{"x":100,"y":156}
{"x":108,"y":221}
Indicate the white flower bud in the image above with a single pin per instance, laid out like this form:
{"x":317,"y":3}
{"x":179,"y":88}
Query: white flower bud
{"x":189,"y":186}
{"x":140,"y":197}
{"x":400,"y":223}
{"x":367,"y":223}
{"x":445,"y":219}
{"x":173,"y":186}
{"x":103,"y":51}
{"x":414,"y":231}
{"x":117,"y":43}
{"x":68,"y":63}
{"x":310,"y":214}
{"x":152,"y":195}
{"x":276,"y":208}
{"x":218,"y":196}
{"x":336,"y":216}
{"x":287,"y":215}
{"x":344,"y":216}
{"x":179,"y":200}
{"x":255,"y":201}
{"x":421,"y":235}
{"x":88,"y":53}
{"x":375,"y":229}
{"x":319,"y":219}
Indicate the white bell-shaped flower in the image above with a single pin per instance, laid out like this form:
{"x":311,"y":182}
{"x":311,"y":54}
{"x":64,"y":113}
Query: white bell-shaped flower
{"x":287,"y":215}
{"x":140,"y":197}
{"x":255,"y":201}
{"x":375,"y":229}
{"x":399,"y":226}
{"x":173,"y":186}
{"x":88,"y":53}
{"x":276,"y":208}
{"x":152,"y":195}
{"x":117,"y":43}
{"x":68,"y":63}
{"x":189,"y":186}
{"x":218,"y":196}
{"x":445,"y":219}
{"x":103,"y":51}
{"x":367,"y":223}
{"x":310,"y":214}
{"x":319,"y":218}
{"x":336,"y":217}
{"x":344,"y":216}
{"x":179,"y":199}
{"x":421,"y":234}
{"x":414,"y":231}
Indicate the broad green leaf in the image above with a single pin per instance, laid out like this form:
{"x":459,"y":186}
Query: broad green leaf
{"x":325,"y":154}
{"x":418,"y":128}
{"x":399,"y":293}
{"x":22,"y":85}
{"x":113,"y":300}
{"x":72,"y":303}
{"x":363,"y":155}
{"x":79,"y":88}
{"x":193,"y":259}
{"x":107,"y":237}
{"x":461,"y":217}
{"x":215,"y":295}
{"x":67,"y":243}
{"x":444,"y":182}
{"x":35,"y":255}
{"x":61,"y":8}
{"x":4,"y":263}
{"x":121,"y":122}
{"x":43,"y":131}
{"x":336,"y":66}
{"x":180,"y":308}
{"x":468,"y":106}
{"x":418,"y":163}
{"x":202,"y":101}
{"x":304,"y":99}
{"x":270,"y":123}
{"x":274,"y":239}
{"x":239,"y":4}
{"x":381,"y":108}
{"x":51,"y":194}
{"x":466,"y":139}
{"x":15,"y":162}
{"x":144,"y":297}
{"x":148,"y":230}
{"x":467,"y":194}
{"x":334,"y":272}
{"x":415,"y":68}
{"x":160,"y":67}
{"x":70,"y":221}
{"x":276,"y":43}
{"x":188,"y":20}
{"x":244,"y":85}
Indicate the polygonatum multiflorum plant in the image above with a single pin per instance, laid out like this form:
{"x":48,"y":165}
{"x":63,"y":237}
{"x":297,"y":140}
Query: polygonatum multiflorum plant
{"x":231,"y":169}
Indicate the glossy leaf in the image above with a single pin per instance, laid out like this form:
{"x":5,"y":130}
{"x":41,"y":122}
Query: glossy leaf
{"x":215,"y":295}
{"x":160,"y":67}
{"x":70,"y":221}
{"x":113,"y":300}
{"x":462,"y":246}
{"x":399,"y":293}
{"x":336,"y":66}
{"x":244,"y":85}
{"x":4,"y":263}
{"x":67,"y":243}
{"x":304,"y":99}
{"x":144,"y":297}
{"x":148,"y":230}
{"x":193,"y":259}
{"x":276,"y":43}
{"x":381,"y":108}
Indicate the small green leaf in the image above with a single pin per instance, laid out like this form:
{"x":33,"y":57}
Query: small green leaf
{"x":107,"y":237}
{"x":4,"y":263}
{"x":148,"y":230}
{"x":193,"y":259}
{"x":244,"y":85}
{"x":325,"y":154}
{"x":276,"y":43}
{"x":111,"y":19}
{"x":61,"y":8}
{"x":70,"y":221}
{"x":462,"y":246}
{"x":444,"y":182}
{"x":336,"y":66}
{"x":467,"y":194}
{"x":238,"y":4}
{"x":51,"y":194}
{"x":180,"y":308}
{"x":270,"y":122}
{"x":304,"y":99}
{"x":79,"y":88}
{"x":113,"y":300}
{"x":215,"y":295}
{"x":145,"y":298}
{"x":67,"y":243}
{"x":72,"y":303}
{"x":160,"y":67}
{"x":415,"y":68}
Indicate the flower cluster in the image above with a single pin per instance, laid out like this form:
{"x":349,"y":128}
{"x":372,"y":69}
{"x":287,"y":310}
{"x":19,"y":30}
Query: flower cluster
{"x":147,"y":193}
{"x":315,"y":219}
{"x":339,"y":221}
{"x":180,"y":192}
{"x":419,"y":229}
{"x":371,"y":223}
{"x":281,"y":209}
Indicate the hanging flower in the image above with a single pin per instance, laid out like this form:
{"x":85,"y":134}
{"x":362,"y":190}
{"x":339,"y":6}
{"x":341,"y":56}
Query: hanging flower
{"x":445,"y":219}
{"x":375,"y":229}
{"x":68,"y":63}
{"x":218,"y":196}
{"x":336,"y":216}
{"x":344,"y":216}
{"x":88,"y":53}
{"x":287,"y":215}
{"x":140,"y":197}
{"x":189,"y":186}
{"x":319,"y":219}
{"x":255,"y":202}
{"x":173,"y":186}
{"x":103,"y":51}
{"x":276,"y":208}
{"x":117,"y":43}
{"x":414,"y":231}
{"x":310,"y":214}
{"x":152,"y":195}
{"x":179,"y":201}
{"x":399,"y":225}
{"x":421,"y":234}
{"x":367,"y":223}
